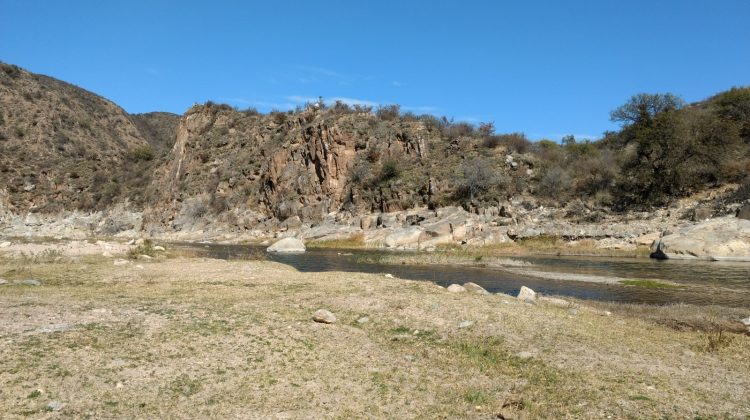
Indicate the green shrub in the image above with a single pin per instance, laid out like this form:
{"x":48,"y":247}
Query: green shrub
{"x":140,"y":153}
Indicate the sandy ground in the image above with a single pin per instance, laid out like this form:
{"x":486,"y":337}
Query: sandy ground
{"x":203,"y":338}
{"x":62,"y":248}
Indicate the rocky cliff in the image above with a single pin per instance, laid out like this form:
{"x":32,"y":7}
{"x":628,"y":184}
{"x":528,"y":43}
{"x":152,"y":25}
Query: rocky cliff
{"x":74,"y":164}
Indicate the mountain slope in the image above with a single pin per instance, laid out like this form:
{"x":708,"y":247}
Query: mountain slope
{"x":64,"y":148}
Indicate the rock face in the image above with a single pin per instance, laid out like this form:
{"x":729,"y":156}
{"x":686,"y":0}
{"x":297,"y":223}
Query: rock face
{"x":287,"y":245}
{"x":323,"y":316}
{"x":725,"y":238}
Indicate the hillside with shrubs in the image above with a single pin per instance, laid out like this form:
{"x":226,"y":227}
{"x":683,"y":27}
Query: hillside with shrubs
{"x":63,"y":148}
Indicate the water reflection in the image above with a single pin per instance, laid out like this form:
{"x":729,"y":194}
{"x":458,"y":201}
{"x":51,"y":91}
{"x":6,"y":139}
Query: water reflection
{"x":720,"y":283}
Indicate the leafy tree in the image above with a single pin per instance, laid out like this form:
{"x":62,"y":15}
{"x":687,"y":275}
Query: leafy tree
{"x":643,"y":107}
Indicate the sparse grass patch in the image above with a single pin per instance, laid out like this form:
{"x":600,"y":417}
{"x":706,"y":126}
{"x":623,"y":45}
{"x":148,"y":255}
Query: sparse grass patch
{"x":355,"y":241}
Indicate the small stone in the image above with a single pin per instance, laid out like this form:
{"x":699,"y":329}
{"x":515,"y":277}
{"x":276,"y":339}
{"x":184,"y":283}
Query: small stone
{"x":55,"y":406}
{"x":3,"y":281}
{"x":131,"y":242}
{"x":158,"y":248}
{"x":473,"y":287}
{"x":465,"y":324}
{"x":363,"y":320}
{"x":4,"y":244}
{"x":746,"y":321}
{"x":119,"y":385}
{"x":324,"y":316}
{"x":525,"y":355}
{"x":28,"y":282}
{"x":140,"y":267}
{"x":573,"y":311}
{"x":409,"y":358}
{"x":389,"y":276}
{"x":122,"y":262}
{"x":456,"y":288}
{"x":526,"y":294}
{"x":107,"y":254}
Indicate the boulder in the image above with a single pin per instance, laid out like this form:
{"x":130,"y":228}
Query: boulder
{"x":405,"y":237}
{"x":473,"y":287}
{"x":456,"y":288}
{"x":526,"y":294}
{"x":744,"y":212}
{"x":724,"y":238}
{"x":287,"y":245}
{"x":324,"y":316}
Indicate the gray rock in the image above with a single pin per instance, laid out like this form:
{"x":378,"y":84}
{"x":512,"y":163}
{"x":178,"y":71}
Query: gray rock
{"x":724,"y":238}
{"x":573,"y":311}
{"x":456,"y":288}
{"x":403,"y":237}
{"x":526,"y":294}
{"x":324,"y":316}
{"x":746,"y":321}
{"x":287,"y":245}
{"x":465,"y":324}
{"x":28,"y":282}
{"x":363,"y":320}
{"x":55,"y":406}
{"x":473,"y":287}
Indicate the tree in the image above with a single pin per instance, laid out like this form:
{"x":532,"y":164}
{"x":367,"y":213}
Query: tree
{"x":479,"y":177}
{"x":643,"y":107}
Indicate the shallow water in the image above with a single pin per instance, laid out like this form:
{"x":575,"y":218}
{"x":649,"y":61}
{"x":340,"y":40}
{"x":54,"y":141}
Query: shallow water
{"x":721,"y":283}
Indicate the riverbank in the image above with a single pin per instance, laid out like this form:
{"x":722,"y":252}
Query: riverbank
{"x":192,"y":337}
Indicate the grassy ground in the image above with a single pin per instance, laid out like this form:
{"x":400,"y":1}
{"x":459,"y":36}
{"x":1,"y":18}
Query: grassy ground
{"x":191,"y":337}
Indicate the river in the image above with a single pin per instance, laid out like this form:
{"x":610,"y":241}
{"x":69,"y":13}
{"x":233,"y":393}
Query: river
{"x":705,"y":283}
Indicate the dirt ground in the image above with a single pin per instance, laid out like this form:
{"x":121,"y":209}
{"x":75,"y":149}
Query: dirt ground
{"x":200,"y":338}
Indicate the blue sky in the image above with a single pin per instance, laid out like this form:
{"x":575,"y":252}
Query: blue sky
{"x":545,"y":68}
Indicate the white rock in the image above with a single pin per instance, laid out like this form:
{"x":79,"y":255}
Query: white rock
{"x":4,"y":244}
{"x":131,"y":242}
{"x":456,"y":288}
{"x":746,"y":321}
{"x":140,"y":267}
{"x":3,"y":281}
{"x":465,"y":324}
{"x":107,"y":254}
{"x":55,"y":406}
{"x":363,"y":320}
{"x":526,"y":294}
{"x":389,"y":276}
{"x":324,"y":316}
{"x":158,"y":248}
{"x":287,"y":245}
{"x":473,"y":287}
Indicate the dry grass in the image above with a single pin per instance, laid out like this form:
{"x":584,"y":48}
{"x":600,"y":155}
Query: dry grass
{"x":356,"y":241}
{"x":193,"y":337}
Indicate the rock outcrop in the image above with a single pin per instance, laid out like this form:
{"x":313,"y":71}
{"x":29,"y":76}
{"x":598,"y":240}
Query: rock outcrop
{"x":725,"y":238}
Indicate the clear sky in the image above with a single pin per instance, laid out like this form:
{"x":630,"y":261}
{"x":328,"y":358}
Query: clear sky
{"x":546,"y":68}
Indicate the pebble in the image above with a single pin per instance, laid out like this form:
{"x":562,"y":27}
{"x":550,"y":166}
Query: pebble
{"x":4,"y":244}
{"x":525,"y":355}
{"x":363,"y":320}
{"x":389,"y":276}
{"x":465,"y":324}
{"x":3,"y":281}
{"x":55,"y":406}
{"x":159,"y":248}
{"x":324,"y":316}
